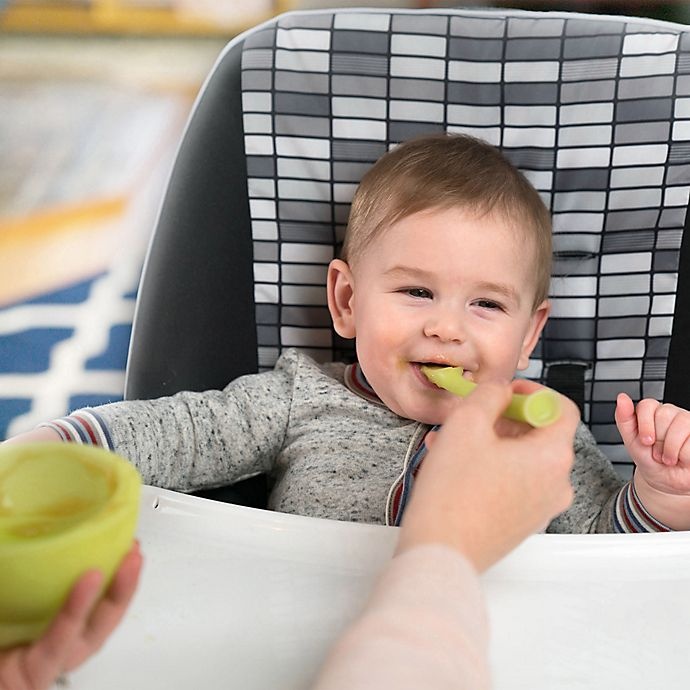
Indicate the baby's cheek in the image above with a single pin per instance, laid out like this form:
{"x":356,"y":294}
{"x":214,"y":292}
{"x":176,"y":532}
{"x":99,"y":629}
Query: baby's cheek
{"x":376,"y":342}
{"x":401,"y":364}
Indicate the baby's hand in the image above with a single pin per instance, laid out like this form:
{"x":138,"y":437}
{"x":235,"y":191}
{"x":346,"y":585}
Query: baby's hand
{"x":657,"y":437}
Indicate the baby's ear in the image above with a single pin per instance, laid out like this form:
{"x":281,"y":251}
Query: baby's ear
{"x":536,"y":326}
{"x":341,"y":290}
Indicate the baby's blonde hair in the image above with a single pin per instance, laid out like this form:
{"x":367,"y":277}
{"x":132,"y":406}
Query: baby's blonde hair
{"x":443,"y":171}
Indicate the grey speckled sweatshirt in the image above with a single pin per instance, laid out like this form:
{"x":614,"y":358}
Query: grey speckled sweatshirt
{"x":331,"y":452}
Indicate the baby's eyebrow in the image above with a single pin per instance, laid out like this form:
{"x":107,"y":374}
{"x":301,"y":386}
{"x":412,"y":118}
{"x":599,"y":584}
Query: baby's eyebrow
{"x":402,"y":271}
{"x":507,"y":291}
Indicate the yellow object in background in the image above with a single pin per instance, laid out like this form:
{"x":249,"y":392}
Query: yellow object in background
{"x":205,"y":17}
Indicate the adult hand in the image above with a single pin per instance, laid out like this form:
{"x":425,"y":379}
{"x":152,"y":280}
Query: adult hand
{"x":78,"y":631}
{"x":487,"y":482}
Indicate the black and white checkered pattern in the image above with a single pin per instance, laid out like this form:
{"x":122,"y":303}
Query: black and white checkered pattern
{"x":594,"y":110}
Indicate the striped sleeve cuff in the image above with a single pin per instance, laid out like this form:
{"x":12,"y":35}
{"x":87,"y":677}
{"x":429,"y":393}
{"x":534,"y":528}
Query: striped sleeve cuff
{"x":630,"y":516}
{"x":84,"y":426}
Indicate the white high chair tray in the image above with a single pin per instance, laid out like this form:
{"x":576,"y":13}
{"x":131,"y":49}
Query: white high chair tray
{"x":235,"y":597}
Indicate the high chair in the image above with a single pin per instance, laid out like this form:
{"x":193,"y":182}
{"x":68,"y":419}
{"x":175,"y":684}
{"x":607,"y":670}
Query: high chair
{"x":595,"y":110}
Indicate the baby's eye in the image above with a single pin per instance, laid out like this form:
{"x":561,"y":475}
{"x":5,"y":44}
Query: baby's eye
{"x":489,"y":304}
{"x":419,"y":293}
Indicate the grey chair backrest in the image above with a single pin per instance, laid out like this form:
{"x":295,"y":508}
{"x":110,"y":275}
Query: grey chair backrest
{"x":594,"y":110}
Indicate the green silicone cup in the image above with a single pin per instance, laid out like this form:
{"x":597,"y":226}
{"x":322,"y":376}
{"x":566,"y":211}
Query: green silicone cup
{"x":541,"y":408}
{"x":64,"y":509}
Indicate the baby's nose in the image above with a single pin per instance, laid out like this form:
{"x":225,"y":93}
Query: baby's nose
{"x":446,"y":327}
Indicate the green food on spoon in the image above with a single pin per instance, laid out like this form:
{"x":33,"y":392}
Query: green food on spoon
{"x":64,"y":509}
{"x":540,"y":408}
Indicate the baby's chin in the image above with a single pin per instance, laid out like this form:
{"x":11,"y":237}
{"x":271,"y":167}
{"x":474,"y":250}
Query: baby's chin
{"x":430,"y":417}
{"x":427,"y":407}
{"x":432,"y":420}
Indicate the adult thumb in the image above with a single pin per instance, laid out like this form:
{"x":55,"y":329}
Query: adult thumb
{"x":486,"y":403}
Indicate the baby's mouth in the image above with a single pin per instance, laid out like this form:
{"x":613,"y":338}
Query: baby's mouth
{"x":436,"y":365}
{"x":442,"y":365}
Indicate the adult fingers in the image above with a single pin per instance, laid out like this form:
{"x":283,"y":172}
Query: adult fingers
{"x":430,"y":439}
{"x":48,"y":657}
{"x":111,"y":608}
{"x":474,"y":417}
{"x":559,"y":432}
{"x":485,"y":404}
{"x":549,"y":455}
{"x":567,"y":419}
{"x":525,"y":386}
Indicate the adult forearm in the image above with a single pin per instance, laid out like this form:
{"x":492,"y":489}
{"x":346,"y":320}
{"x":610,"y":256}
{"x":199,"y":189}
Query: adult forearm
{"x":424,"y":627}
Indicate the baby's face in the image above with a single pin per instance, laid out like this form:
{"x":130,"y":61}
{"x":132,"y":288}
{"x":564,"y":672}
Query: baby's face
{"x":447,"y":287}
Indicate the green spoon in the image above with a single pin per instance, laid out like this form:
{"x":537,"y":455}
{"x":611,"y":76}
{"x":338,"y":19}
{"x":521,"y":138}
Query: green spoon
{"x":540,"y":408}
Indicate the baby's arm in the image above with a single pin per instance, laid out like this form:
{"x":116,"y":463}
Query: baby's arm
{"x":40,"y":434}
{"x":190,"y":440}
{"x":657,"y":437}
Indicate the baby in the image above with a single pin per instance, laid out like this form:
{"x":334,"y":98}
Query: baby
{"x":446,"y":260}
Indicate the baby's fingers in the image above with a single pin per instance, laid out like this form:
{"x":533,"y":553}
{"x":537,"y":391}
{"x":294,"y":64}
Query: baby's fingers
{"x":673,"y":432}
{"x":626,"y":421}
{"x":643,"y":425}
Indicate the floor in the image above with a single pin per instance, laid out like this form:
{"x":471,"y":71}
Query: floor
{"x":89,"y":129}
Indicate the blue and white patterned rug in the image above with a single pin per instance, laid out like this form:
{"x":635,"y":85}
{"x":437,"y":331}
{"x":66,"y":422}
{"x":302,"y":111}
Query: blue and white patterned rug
{"x":71,"y":136}
{"x":65,"y":349}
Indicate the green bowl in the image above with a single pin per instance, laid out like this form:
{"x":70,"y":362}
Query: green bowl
{"x":64,"y":509}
